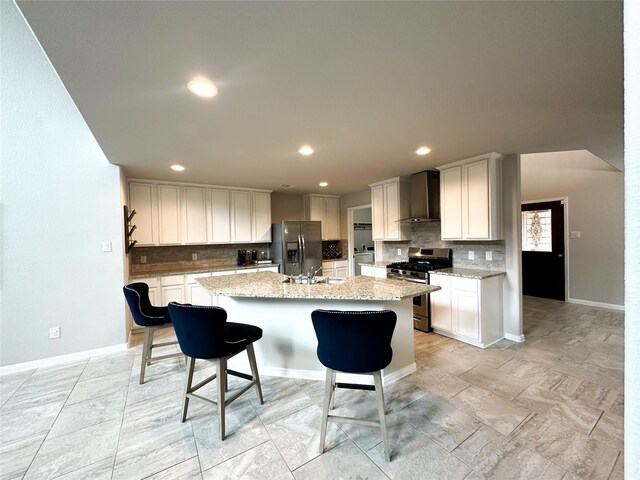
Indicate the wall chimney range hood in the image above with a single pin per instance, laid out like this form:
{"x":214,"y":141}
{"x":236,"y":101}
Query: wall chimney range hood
{"x":425,"y":197}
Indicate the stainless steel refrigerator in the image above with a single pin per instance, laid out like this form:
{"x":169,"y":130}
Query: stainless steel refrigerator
{"x":297,"y":247}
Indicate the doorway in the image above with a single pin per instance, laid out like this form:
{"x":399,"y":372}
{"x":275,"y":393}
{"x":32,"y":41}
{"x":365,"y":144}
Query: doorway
{"x":360,"y":238}
{"x":543,"y":249}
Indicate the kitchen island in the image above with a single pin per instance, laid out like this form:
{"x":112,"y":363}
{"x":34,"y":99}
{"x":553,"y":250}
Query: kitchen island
{"x":283,"y":311}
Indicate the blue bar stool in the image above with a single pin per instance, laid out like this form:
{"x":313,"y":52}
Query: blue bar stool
{"x":204,"y":333}
{"x":151,"y":318}
{"x":354,"y":342}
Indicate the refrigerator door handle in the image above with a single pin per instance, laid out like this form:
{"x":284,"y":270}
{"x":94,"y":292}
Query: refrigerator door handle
{"x":302,"y":250}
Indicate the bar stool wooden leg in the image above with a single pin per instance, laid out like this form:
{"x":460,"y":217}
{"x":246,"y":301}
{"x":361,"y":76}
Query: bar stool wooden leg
{"x":254,"y":371}
{"x":146,"y":351}
{"x":221,"y":370}
{"x":377,"y":380}
{"x":325,"y":407}
{"x":191,"y":363}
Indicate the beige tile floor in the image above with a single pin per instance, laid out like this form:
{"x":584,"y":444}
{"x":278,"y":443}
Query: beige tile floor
{"x":549,"y":408}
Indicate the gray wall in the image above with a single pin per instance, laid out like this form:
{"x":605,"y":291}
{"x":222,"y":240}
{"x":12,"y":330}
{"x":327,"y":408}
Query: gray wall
{"x":595,"y":208}
{"x":285,"y":206}
{"x":60,"y":201}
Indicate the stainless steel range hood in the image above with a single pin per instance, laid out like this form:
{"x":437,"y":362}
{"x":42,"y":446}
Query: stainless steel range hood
{"x":425,"y":197}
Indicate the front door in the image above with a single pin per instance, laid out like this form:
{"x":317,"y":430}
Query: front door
{"x":543,"y":272}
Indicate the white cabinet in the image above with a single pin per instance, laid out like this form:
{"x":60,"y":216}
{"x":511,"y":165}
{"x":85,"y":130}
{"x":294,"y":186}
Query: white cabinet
{"x":194,"y":215}
{"x":471,"y":198}
{"x":326,"y":209}
{"x":373,"y":271}
{"x":143,"y":198}
{"x":154,"y":291}
{"x":219,"y":216}
{"x":241,"y":216}
{"x":389,"y":203}
{"x":467,"y":309}
{"x":441,"y":303}
{"x":261,"y":202}
{"x":335,"y":268}
{"x":169,"y":204}
{"x":185,"y":214}
{"x":196,"y":293}
{"x":172,"y":289}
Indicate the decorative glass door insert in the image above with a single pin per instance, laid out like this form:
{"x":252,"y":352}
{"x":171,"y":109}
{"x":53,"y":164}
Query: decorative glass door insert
{"x":536,"y":231}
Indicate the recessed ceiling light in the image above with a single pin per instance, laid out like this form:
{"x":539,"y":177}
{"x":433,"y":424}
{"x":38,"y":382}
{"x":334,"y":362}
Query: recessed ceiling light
{"x":323,"y":184}
{"x":203,"y":87}
{"x":305,"y":150}
{"x":177,"y":168}
{"x":423,"y":150}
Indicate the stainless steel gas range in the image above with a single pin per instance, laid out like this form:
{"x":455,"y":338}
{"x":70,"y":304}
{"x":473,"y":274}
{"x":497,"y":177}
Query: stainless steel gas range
{"x":421,"y":261}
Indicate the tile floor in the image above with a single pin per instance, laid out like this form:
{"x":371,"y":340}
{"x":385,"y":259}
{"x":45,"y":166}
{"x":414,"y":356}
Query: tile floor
{"x":549,"y":408}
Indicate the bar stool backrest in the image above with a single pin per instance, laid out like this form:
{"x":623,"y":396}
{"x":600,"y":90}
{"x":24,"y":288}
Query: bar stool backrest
{"x":353,"y":341}
{"x":199,"y":329}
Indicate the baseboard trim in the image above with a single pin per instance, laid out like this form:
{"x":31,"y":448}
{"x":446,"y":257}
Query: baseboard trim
{"x":589,"y":303}
{"x":341,"y":377}
{"x":514,"y":338}
{"x":51,"y":361}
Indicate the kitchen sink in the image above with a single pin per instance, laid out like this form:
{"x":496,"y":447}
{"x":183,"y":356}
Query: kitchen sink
{"x":315,"y":280}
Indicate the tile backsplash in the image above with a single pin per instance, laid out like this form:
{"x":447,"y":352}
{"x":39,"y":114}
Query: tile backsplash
{"x":428,"y":235}
{"x":214,"y":255}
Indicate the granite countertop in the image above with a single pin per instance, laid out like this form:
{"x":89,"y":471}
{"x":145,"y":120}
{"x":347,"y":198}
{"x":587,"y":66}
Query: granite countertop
{"x":468,"y":273}
{"x":270,"y":285}
{"x":187,"y":269}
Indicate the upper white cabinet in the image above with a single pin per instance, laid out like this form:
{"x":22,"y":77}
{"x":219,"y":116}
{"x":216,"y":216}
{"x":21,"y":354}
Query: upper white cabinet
{"x":389,"y":203}
{"x":143,"y":198}
{"x":471,"y":198}
{"x":261,"y":228}
{"x":326,"y":209}
{"x":241,"y":216}
{"x":219,"y":216}
{"x":195,"y":215}
{"x":179,"y":214}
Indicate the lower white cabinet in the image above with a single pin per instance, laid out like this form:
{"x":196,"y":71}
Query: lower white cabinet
{"x":467,"y":309}
{"x":335,"y":268}
{"x":373,"y":271}
{"x":172,"y":289}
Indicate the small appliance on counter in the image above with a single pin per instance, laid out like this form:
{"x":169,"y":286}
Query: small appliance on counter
{"x":247,"y":257}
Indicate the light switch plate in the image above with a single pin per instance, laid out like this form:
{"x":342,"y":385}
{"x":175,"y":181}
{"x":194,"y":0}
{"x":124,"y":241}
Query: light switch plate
{"x":399,"y":251}
{"x":143,"y":259}
{"x":106,"y":246}
{"x":472,"y":255}
{"x":194,"y":256}
{"x":488,"y":255}
{"x":575,"y":234}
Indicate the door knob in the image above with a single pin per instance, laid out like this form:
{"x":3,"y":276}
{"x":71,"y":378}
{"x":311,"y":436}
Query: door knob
{"x":560,"y":255}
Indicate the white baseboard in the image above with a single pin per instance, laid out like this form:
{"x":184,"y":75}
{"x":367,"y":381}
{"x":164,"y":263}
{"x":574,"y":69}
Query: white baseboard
{"x":514,"y":338}
{"x":341,"y":377}
{"x":589,"y":303}
{"x":71,"y":357}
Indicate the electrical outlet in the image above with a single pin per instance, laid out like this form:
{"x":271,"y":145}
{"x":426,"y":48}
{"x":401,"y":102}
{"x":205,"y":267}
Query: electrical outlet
{"x":472,"y":255}
{"x":399,"y":251}
{"x":194,"y":256}
{"x":106,"y":246}
{"x":54,"y":332}
{"x":488,"y":255}
{"x":575,"y":234}
{"x":143,"y":259}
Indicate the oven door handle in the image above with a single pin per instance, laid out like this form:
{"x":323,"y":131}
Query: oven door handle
{"x":424,"y":282}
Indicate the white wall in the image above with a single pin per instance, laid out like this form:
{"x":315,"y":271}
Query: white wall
{"x":595,"y":208}
{"x":60,"y":201}
{"x":632,"y":239}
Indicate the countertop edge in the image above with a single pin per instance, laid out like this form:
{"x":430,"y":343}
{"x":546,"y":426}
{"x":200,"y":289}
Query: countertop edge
{"x":194,"y":270}
{"x":468,"y":273}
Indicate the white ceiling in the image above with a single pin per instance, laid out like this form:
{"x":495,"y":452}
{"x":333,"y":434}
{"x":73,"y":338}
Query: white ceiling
{"x":365,"y":83}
